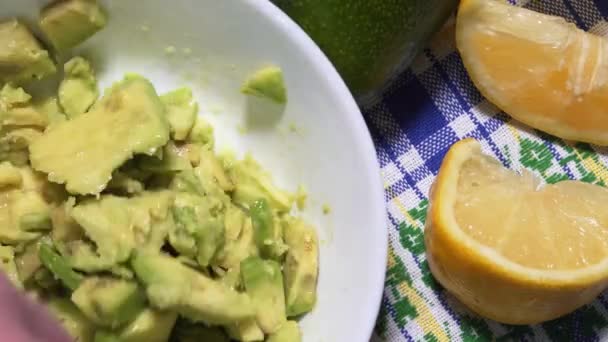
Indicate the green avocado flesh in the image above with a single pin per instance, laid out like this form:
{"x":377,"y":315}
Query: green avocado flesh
{"x":22,"y":58}
{"x":130,"y":119}
{"x":118,"y":214}
{"x":266,"y":83}
{"x":71,"y":22}
{"x":78,"y":90}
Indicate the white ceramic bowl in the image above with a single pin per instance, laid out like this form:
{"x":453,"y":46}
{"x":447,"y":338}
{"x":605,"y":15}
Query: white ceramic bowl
{"x":217,"y":44}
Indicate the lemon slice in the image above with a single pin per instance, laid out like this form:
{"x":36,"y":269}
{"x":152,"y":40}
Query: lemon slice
{"x":537,"y":68}
{"x":509,"y":248}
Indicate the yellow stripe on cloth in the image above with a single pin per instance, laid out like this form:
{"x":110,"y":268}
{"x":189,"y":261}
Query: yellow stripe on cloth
{"x":598,"y":169}
{"x":426,"y":320}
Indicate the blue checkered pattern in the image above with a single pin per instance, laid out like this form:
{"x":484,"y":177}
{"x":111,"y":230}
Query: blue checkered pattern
{"x":432,"y":105}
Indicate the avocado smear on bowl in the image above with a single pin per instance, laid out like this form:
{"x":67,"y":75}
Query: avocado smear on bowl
{"x":118,"y":214}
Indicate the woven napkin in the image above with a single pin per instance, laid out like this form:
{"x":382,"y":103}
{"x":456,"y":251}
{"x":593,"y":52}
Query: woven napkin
{"x":431,"y":106}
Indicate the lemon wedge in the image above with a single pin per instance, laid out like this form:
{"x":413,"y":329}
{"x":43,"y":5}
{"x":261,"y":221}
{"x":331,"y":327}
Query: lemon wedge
{"x":540,"y":69}
{"x":509,"y":248}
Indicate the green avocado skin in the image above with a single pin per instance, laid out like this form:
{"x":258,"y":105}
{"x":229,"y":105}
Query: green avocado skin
{"x":369,"y":41}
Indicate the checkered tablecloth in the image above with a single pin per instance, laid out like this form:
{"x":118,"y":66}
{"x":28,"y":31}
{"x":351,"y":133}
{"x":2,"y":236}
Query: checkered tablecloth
{"x":431,"y":106}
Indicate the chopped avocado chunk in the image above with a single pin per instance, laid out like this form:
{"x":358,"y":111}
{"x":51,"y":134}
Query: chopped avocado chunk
{"x":202,"y":133}
{"x":264,"y":284}
{"x":239,"y":237}
{"x":266,"y":83}
{"x":16,"y":109}
{"x":267,"y":233}
{"x":211,"y":172}
{"x":159,"y":230}
{"x":122,"y":272}
{"x":245,"y":330}
{"x":149,"y":326}
{"x":72,"y":319}
{"x":234,"y":219}
{"x":11,"y":96}
{"x":9,"y":175}
{"x":187,"y":181}
{"x":192,"y":152}
{"x":82,"y":256}
{"x":109,"y":302}
{"x":210,"y":239}
{"x":65,"y":228}
{"x":22,"y":58}
{"x":14,"y":144}
{"x":44,"y":279}
{"x":50,"y":107}
{"x":16,"y":205}
{"x":108,"y":223}
{"x":232,"y":278}
{"x":151,"y":218}
{"x":28,"y":116}
{"x":186,"y":225}
{"x":174,"y":286}
{"x":8,"y":266}
{"x":301,"y":267}
{"x":172,"y":160}
{"x":35,"y":221}
{"x":199,"y":230}
{"x":289,"y":332}
{"x":59,"y":267}
{"x":181,"y":112}
{"x":35,"y":181}
{"x":78,"y":90}
{"x":122,"y":182}
{"x":116,"y":225}
{"x":28,"y":261}
{"x":128,"y":120}
{"x":252,"y":183}
{"x":71,"y":22}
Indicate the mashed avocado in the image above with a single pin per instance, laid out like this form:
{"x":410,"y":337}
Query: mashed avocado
{"x":118,"y":213}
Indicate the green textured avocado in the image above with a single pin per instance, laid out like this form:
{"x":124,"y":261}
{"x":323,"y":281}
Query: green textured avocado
{"x":173,"y":286}
{"x":301,"y":267}
{"x":368,"y":41}
{"x":78,"y":90}
{"x":71,"y":22}
{"x":72,"y":319}
{"x":289,"y":332}
{"x":109,"y":302}
{"x":22,"y":58}
{"x":246,"y":330}
{"x":59,"y":267}
{"x":129,"y":119}
{"x":264,"y":284}
{"x":149,"y":326}
{"x":181,"y":112}
{"x":266,"y":83}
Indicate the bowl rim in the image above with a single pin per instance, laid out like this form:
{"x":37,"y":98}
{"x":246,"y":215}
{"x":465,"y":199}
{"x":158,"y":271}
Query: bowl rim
{"x":379,"y":253}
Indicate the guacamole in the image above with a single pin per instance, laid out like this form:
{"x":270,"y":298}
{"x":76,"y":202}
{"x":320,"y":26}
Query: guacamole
{"x":117,"y":212}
